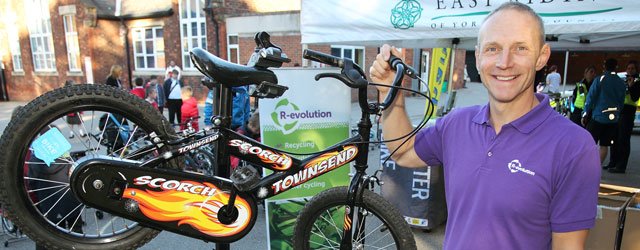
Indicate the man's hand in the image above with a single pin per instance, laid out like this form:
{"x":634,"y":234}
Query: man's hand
{"x":380,"y":71}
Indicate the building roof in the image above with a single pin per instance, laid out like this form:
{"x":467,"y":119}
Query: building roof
{"x":106,"y":9}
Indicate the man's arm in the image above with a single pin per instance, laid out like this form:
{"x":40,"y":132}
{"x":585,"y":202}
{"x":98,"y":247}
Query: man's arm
{"x":569,"y":240}
{"x":395,"y":121}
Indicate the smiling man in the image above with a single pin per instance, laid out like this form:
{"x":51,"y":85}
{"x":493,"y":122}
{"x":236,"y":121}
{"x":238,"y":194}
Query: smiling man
{"x":517,"y":174}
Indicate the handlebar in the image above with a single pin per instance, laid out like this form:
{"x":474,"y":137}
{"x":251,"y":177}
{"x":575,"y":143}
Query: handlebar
{"x":323,"y":58}
{"x":353,"y":76}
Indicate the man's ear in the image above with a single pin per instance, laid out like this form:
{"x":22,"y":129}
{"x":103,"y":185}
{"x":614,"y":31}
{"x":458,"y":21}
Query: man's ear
{"x":545,"y":53}
{"x":477,"y":52}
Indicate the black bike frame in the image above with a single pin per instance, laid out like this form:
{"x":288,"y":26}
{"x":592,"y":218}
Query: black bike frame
{"x":289,"y":171}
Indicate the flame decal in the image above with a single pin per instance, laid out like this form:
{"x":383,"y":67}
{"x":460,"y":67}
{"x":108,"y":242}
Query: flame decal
{"x":326,"y":156}
{"x":196,"y":210}
{"x":278,"y":166}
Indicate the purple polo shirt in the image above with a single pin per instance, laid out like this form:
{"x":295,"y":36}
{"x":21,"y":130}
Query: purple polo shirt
{"x":539,"y":175}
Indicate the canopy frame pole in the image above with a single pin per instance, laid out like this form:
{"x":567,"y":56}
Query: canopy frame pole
{"x":564,"y":76}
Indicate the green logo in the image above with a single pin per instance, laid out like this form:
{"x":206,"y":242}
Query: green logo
{"x":406,"y":14}
{"x":279,"y":116}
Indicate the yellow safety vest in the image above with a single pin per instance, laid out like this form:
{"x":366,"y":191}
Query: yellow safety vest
{"x":580,"y":97}
{"x":627,"y":98}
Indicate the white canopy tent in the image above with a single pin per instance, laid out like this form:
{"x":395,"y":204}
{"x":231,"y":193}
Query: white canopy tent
{"x":577,"y":24}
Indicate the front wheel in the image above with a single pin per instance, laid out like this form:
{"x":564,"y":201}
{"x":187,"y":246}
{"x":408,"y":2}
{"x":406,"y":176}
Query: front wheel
{"x":376,"y":224}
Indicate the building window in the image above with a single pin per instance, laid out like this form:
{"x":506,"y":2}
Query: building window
{"x":192,"y":29}
{"x":354,"y":53}
{"x":39,"y":23}
{"x":14,"y":39}
{"x":71,"y":36}
{"x":233,"y":50}
{"x":148,"y":48}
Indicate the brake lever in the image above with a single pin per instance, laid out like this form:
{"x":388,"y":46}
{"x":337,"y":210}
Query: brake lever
{"x":340,"y":77}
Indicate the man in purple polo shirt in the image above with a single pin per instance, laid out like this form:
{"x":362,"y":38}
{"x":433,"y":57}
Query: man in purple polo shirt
{"x":517,"y":174}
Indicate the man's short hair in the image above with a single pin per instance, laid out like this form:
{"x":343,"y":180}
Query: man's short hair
{"x":175,"y":71}
{"x":611,"y":64}
{"x":522,"y":8}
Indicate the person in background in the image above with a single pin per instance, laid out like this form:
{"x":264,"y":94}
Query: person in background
{"x":539,"y":79}
{"x":170,"y":71}
{"x":553,"y":79}
{"x":114,"y":76}
{"x":580,"y":94}
{"x":138,"y":90}
{"x":189,"y":109}
{"x":208,"y":109}
{"x":622,"y":148}
{"x":173,"y":95}
{"x":501,"y":194}
{"x":252,"y":130}
{"x":161,"y":99}
{"x":241,"y":107}
{"x":603,"y":106}
{"x":152,"y":96}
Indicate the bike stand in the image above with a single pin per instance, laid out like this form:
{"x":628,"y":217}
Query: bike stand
{"x":14,"y":238}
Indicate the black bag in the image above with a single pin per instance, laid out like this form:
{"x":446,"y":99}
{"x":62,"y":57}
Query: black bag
{"x":417,"y":192}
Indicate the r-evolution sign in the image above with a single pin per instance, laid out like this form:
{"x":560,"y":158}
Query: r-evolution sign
{"x":373,"y":22}
{"x":309,"y":117}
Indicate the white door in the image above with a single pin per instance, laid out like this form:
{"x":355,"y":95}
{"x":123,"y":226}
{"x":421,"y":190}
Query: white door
{"x":424,"y":71}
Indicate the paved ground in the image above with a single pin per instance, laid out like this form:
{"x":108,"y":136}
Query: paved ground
{"x":474,"y":94}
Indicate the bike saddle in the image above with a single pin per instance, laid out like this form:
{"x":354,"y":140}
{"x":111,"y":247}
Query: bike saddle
{"x":227,"y":73}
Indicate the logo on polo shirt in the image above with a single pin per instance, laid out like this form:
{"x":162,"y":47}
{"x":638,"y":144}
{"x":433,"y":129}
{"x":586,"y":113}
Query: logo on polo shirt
{"x":515,"y":166}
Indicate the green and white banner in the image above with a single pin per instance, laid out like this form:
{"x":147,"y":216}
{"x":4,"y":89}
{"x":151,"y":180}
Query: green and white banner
{"x":309,"y":117}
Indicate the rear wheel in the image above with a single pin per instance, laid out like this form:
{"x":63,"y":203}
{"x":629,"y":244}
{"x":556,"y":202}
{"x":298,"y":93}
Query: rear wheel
{"x":376,"y":223}
{"x":41,"y":146}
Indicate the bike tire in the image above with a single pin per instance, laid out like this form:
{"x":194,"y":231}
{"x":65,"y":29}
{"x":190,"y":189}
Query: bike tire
{"x":28,"y":123}
{"x":8,"y":226}
{"x":313,"y":218}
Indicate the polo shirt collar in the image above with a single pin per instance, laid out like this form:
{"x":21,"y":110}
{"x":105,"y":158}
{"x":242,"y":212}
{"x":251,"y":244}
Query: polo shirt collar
{"x":525,"y":124}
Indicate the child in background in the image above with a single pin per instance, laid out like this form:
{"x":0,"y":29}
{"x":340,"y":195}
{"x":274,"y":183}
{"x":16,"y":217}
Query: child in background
{"x":152,"y":94}
{"x":250,"y":129}
{"x":139,"y":89}
{"x":189,"y":108}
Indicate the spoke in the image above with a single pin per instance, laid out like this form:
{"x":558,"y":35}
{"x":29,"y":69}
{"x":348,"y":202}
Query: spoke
{"x":58,"y":201}
{"x":47,"y":188}
{"x":135,"y":142}
{"x":375,"y":229}
{"x":38,"y":203}
{"x":78,"y":217}
{"x":45,"y":180}
{"x":329,"y":247}
{"x":95,"y":216}
{"x":113,"y":222}
{"x":87,"y":131}
{"x":129,"y":141}
{"x":326,"y":239}
{"x":333,"y":223}
{"x":104,"y":128}
{"x":323,"y":235}
{"x":65,"y":217}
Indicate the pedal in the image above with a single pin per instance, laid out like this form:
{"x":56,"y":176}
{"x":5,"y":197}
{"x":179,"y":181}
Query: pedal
{"x":245,"y":178}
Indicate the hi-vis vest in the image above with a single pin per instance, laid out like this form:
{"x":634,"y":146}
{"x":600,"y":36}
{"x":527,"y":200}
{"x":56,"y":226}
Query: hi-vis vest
{"x":580,"y":97}
{"x":627,"y":98}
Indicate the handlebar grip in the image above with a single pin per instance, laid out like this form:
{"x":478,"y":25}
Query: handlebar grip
{"x":322,"y":58}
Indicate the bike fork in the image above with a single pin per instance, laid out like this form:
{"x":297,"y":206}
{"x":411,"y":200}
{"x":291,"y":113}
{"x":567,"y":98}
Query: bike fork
{"x":356,"y":188}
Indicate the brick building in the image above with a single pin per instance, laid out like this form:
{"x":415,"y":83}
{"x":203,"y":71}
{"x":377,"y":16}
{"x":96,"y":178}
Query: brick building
{"x":51,"y":41}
